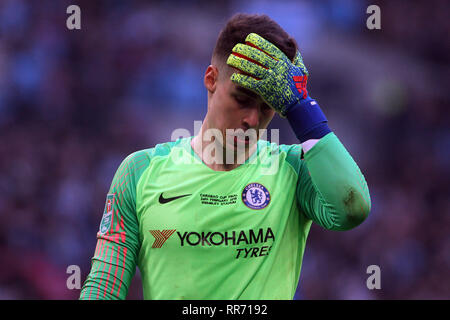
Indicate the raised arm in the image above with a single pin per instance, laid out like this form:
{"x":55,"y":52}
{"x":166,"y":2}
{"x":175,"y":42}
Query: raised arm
{"x":331,"y":189}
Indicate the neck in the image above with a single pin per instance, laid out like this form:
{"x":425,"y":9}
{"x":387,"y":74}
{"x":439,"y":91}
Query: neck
{"x":213,"y":152}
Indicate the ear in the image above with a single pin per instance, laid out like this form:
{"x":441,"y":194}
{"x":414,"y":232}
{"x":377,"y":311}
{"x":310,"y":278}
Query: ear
{"x":211,"y":78}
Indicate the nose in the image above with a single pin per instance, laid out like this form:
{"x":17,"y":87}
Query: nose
{"x":251,"y":118}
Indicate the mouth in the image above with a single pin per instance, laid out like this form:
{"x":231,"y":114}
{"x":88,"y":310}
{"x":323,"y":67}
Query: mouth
{"x":244,"y":140}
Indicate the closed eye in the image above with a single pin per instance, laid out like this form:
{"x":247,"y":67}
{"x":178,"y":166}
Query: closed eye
{"x":243,"y":100}
{"x":265,"y":107}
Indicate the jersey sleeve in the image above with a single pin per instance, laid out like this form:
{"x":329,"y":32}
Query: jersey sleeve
{"x":114,"y":261}
{"x":331,"y":190}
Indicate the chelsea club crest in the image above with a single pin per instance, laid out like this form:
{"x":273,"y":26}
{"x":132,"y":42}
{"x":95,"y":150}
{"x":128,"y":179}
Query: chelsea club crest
{"x":255,"y":196}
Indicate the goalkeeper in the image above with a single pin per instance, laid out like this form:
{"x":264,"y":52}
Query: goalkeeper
{"x":200,"y":227}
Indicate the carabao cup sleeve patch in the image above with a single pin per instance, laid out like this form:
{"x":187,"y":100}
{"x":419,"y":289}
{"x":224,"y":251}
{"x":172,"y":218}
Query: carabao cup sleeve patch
{"x":105,"y":224}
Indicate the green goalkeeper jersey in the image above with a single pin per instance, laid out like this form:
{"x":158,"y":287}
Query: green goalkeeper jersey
{"x":196,"y":233}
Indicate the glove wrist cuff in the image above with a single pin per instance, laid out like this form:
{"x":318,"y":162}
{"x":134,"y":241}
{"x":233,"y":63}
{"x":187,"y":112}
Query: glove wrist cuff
{"x":307,"y":120}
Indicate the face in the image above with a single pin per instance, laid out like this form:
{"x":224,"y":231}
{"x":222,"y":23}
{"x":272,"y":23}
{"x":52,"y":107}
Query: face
{"x":233,"y":107}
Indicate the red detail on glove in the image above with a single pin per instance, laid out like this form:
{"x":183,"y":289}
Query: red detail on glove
{"x":255,"y":46}
{"x":300,"y":84}
{"x":249,"y":59}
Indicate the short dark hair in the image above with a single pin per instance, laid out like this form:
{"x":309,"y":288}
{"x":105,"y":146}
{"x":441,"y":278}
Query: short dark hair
{"x":242,"y":24}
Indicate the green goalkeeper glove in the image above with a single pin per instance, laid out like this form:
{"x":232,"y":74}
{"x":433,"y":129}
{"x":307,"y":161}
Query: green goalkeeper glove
{"x":269,"y":73}
{"x":281,"y":83}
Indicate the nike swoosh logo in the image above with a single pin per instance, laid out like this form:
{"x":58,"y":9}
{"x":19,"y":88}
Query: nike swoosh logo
{"x":163,"y":200}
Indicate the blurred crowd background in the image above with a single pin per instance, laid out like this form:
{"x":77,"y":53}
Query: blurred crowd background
{"x":74,"y":103}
